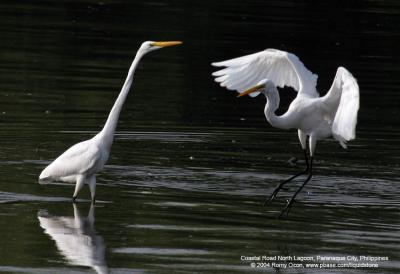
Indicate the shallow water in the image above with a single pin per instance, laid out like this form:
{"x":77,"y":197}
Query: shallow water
{"x":191,"y":165}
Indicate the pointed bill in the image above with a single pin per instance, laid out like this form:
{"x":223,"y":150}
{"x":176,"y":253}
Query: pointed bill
{"x":251,"y":90}
{"x":166,"y":43}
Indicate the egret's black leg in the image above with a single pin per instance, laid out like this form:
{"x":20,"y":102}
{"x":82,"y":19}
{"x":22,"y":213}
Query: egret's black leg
{"x":279,"y":187}
{"x":286,"y":210}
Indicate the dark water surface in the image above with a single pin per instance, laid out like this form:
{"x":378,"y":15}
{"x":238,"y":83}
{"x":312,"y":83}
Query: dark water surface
{"x":191,"y":164}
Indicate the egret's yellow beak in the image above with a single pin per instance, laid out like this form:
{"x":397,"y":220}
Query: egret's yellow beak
{"x":166,"y":44}
{"x":251,"y":90}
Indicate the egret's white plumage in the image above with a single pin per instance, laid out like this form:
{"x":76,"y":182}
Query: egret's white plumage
{"x":343,"y":99}
{"x":334,"y":114}
{"x":82,"y":161}
{"x":282,"y":68}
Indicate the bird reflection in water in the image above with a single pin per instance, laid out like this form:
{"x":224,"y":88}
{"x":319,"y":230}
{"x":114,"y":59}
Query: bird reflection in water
{"x":76,"y":239}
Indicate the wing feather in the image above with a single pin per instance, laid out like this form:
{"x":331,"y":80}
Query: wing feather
{"x":343,"y":99}
{"x":283,"y":68}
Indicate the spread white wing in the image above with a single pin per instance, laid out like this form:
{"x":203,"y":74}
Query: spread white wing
{"x":283,"y":68}
{"x":343,"y":99}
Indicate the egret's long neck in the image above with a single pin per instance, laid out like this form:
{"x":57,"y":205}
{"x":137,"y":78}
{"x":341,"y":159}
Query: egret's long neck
{"x":107,"y":133}
{"x":270,"y":108}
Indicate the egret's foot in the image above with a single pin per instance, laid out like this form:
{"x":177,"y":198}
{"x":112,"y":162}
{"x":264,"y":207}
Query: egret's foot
{"x":273,"y":195}
{"x":281,"y":186}
{"x":271,"y":198}
{"x":286,"y":210}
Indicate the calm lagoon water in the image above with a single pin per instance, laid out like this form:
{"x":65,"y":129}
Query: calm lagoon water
{"x":192,"y":164}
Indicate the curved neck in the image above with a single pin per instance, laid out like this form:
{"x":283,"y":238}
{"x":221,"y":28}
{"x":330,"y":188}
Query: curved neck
{"x":107,"y":133}
{"x":272,"y":105}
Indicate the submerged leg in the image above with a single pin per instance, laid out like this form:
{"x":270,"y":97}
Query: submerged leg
{"x":279,"y":187}
{"x":80,"y":182}
{"x":91,"y":215}
{"x":78,"y":218}
{"x":286,"y":210}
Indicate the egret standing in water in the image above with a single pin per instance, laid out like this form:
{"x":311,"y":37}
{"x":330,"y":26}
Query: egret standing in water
{"x":80,"y":163}
{"x":315,"y":117}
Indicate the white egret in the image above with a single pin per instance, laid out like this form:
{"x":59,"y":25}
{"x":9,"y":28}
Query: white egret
{"x":80,"y":163}
{"x":315,"y":117}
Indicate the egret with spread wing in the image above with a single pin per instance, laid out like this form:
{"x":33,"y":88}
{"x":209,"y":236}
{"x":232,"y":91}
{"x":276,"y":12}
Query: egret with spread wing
{"x":315,"y":117}
{"x":80,"y":163}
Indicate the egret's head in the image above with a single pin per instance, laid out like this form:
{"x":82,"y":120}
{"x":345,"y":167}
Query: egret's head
{"x":262,"y":87}
{"x":153,"y":45}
